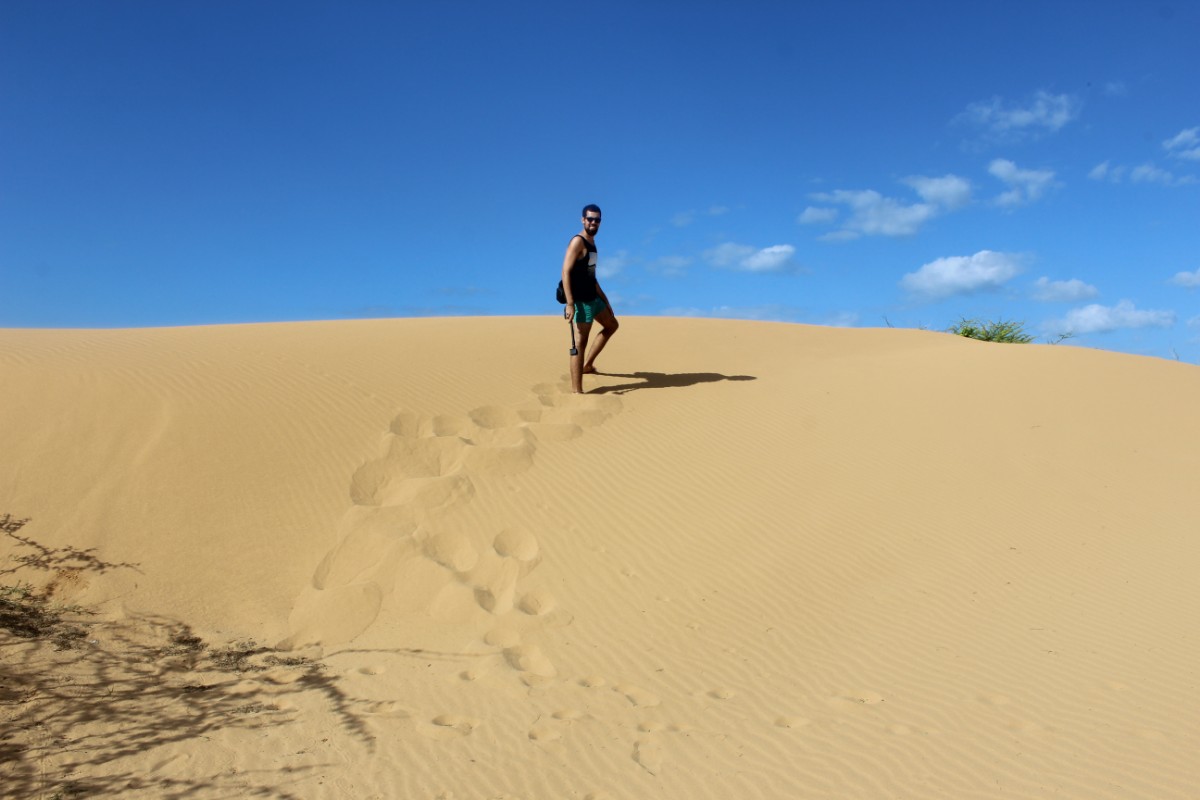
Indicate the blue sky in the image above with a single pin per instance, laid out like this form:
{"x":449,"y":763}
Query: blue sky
{"x":850,"y":163}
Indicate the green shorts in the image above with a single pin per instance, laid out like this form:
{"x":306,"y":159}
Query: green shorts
{"x":586,"y":311}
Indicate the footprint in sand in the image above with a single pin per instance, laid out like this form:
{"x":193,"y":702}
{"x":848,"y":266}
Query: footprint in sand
{"x":503,"y":638}
{"x":850,"y":700}
{"x":556,"y":727}
{"x":529,"y":658}
{"x":544,"y":733}
{"x":494,"y":582}
{"x":559,"y":407}
{"x":639,"y":697}
{"x":537,"y":603}
{"x":445,"y":727}
{"x":451,"y":550}
{"x":516,"y":543}
{"x":790,"y":722}
{"x":497,"y":599}
{"x":648,"y":753}
{"x":386,"y":708}
{"x":444,"y":425}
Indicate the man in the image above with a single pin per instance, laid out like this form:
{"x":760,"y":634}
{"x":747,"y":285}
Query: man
{"x":586,"y":301}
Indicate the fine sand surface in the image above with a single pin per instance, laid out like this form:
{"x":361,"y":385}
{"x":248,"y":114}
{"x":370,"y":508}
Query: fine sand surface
{"x":394,"y":559}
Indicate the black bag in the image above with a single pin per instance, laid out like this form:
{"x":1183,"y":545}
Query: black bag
{"x":560,"y":295}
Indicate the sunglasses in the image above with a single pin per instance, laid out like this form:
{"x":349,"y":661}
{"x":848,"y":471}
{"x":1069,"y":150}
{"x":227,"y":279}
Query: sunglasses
{"x":592,"y":219}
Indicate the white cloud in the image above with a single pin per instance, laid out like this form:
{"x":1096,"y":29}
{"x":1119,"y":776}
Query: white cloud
{"x":876,"y":215}
{"x":1025,"y":185}
{"x":769,"y":259}
{"x":746,"y":258}
{"x":670,"y":266}
{"x":1044,"y":113}
{"x":1185,"y":144}
{"x":1105,"y":319}
{"x":872,"y":214}
{"x":817,"y":216}
{"x":1145,"y":173}
{"x":1191,"y":280}
{"x":1149,"y":173}
{"x":771,"y":311}
{"x":949,"y":191}
{"x":842,"y":319}
{"x":1106,"y":172}
{"x":728,"y":254}
{"x":747,"y":312}
{"x":1116,"y":89}
{"x":838,"y":236}
{"x":611,"y":265}
{"x":1071,"y":291}
{"x":685,"y":218}
{"x":682,"y":311}
{"x":962,"y":274}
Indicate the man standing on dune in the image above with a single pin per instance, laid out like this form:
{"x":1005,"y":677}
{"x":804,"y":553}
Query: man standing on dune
{"x":586,"y":301}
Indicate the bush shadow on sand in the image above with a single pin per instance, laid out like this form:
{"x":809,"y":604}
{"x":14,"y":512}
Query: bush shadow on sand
{"x":78,"y":695}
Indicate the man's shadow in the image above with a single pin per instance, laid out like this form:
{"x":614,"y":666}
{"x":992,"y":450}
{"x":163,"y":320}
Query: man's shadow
{"x":663,"y":380}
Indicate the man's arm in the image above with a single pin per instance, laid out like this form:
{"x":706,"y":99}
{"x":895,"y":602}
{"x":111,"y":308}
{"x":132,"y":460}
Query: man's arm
{"x":569,"y":259}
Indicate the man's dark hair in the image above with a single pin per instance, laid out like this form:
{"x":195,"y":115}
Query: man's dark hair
{"x":591,"y":207}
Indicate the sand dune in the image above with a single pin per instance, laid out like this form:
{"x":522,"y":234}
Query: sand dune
{"x":396,"y":559}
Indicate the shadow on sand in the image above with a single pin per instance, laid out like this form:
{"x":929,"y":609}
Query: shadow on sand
{"x":78,"y":695}
{"x":663,"y":380}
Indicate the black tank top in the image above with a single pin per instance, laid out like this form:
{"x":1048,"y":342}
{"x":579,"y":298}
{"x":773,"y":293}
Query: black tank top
{"x":583,"y":273}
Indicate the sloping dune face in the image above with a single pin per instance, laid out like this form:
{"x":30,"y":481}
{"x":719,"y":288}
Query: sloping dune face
{"x":754,"y":560}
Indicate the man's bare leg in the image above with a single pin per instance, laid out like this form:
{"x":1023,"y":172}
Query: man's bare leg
{"x":608,"y":326}
{"x":582,"y":330}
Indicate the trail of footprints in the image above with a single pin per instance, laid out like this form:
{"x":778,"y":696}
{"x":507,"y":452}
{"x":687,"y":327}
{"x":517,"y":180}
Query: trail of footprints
{"x":391,"y":548}
{"x":392,"y":545}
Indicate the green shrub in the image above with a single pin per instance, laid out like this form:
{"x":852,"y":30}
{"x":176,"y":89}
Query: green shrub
{"x":994,"y":331}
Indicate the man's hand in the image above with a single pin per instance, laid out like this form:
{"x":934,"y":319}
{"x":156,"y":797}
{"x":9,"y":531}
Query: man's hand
{"x":569,"y":312}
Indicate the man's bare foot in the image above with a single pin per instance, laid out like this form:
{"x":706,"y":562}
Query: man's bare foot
{"x":589,"y":370}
